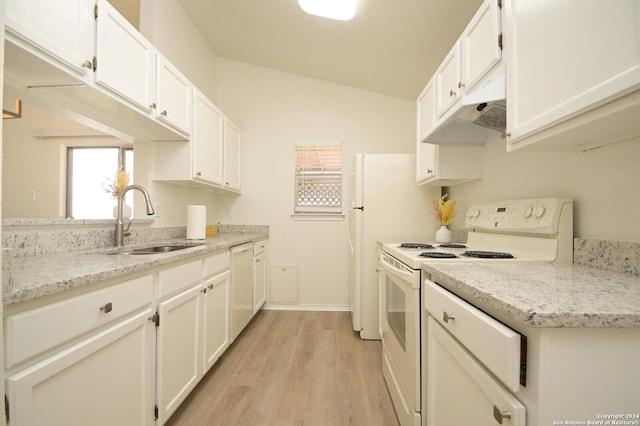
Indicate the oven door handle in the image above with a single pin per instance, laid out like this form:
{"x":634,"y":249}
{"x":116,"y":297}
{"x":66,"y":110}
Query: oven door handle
{"x":404,"y":274}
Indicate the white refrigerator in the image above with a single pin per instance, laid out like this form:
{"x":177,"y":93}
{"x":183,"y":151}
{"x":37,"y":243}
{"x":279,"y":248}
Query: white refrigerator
{"x":387,"y":205}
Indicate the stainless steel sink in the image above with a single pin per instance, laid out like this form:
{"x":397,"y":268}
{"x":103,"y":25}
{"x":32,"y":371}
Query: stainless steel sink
{"x":158,"y":249}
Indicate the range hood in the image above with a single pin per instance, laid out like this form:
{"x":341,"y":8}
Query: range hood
{"x":481,"y":115}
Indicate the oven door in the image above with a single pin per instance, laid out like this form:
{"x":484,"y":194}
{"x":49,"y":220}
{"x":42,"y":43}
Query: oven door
{"x":400,"y":333}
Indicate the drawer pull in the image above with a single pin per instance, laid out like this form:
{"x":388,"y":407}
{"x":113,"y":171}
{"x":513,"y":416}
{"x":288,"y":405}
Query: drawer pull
{"x":107,"y":308}
{"x":500,"y":415}
{"x":446,"y":317}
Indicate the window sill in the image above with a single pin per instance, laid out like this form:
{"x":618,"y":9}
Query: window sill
{"x":317,"y":217}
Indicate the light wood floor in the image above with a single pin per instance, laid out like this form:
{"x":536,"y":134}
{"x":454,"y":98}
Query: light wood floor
{"x":293,"y":368}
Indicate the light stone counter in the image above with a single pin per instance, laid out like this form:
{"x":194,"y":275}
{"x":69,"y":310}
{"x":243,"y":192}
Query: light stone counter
{"x":48,"y":274}
{"x":545,"y":295}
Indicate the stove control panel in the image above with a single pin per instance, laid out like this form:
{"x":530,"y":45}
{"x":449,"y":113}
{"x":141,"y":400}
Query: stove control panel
{"x":534,"y":216}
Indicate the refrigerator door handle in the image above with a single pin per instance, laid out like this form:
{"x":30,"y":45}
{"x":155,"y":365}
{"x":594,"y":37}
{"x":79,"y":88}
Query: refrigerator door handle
{"x":349,"y":234}
{"x":359,"y":208}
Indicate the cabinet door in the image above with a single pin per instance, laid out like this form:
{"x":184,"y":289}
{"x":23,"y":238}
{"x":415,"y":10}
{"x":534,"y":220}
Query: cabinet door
{"x":259,"y":281}
{"x":174,"y":96}
{"x":207,"y":140}
{"x":106,"y":379}
{"x":448,"y":82}
{"x":460,"y":391}
{"x":232,"y":155}
{"x":426,"y":111}
{"x":216,"y":319}
{"x":565,"y":58}
{"x":178,"y":369}
{"x":480,"y":47}
{"x":426,"y":157}
{"x":63,"y":29}
{"x":125,"y":59}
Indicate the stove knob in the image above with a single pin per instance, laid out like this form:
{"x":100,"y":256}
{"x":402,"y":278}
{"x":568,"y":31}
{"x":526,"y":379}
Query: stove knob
{"x":528,"y":211}
{"x":539,"y":211}
{"x":473,"y":212}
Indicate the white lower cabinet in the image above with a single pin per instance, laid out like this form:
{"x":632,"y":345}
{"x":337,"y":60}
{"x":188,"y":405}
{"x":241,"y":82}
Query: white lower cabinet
{"x":106,"y":379}
{"x":125,"y":354}
{"x":216,"y":326}
{"x":179,"y":341}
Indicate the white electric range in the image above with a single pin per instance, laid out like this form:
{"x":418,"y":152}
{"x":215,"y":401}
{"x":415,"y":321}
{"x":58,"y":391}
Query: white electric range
{"x":528,"y":230}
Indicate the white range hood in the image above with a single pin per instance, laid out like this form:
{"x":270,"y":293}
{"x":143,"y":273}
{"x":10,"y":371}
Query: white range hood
{"x":479,"y":116}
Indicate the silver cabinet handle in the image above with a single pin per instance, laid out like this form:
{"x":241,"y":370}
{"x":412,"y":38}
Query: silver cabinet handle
{"x":152,"y":106}
{"x":429,"y":171}
{"x":446,"y":317}
{"x":452,"y":93}
{"x":198,"y":173}
{"x":460,"y":85}
{"x":106,"y":308}
{"x":87,"y":64}
{"x":500,"y":415}
{"x":164,"y":112}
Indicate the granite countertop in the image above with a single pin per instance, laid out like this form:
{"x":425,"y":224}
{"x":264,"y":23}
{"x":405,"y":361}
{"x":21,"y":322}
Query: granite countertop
{"x":38,"y":276}
{"x":545,"y":295}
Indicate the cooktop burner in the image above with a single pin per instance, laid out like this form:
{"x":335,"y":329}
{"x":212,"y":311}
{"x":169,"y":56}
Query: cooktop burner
{"x":438,"y":255}
{"x":416,"y":245}
{"x":487,"y":254}
{"x":452,"y":245}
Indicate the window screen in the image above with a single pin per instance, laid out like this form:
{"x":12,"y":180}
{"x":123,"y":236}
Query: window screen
{"x":318,"y":178}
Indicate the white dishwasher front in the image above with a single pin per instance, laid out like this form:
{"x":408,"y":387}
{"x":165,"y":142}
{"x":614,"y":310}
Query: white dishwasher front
{"x":241,"y":287}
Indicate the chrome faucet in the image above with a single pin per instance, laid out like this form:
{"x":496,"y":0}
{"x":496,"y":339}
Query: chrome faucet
{"x":119,"y":222}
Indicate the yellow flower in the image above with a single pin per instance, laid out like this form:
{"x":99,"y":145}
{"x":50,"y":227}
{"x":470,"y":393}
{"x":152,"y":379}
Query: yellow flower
{"x":119,"y":182}
{"x":444,"y":210}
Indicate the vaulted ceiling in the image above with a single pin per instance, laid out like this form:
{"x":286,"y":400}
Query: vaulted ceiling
{"x":391,"y":46}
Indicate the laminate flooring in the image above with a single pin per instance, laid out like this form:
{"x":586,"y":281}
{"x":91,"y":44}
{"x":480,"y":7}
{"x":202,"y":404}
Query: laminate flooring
{"x":293,"y":368}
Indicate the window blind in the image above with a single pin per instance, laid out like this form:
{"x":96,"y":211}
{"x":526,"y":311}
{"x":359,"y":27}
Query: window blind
{"x":318,"y":179}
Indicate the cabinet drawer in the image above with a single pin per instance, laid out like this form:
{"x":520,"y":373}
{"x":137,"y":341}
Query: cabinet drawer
{"x":179,"y":277}
{"x":35,"y":331}
{"x":217,"y":263}
{"x":491,"y":342}
{"x":259,"y":247}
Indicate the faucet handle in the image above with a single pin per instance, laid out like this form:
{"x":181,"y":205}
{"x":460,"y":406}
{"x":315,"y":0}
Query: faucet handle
{"x":127,"y":232}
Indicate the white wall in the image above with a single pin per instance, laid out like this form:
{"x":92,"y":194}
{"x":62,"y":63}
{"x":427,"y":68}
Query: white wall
{"x":604,"y":184}
{"x":275,"y":109}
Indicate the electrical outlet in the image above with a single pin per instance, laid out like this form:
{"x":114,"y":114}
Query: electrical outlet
{"x":157,"y":210}
{"x":227,"y":212}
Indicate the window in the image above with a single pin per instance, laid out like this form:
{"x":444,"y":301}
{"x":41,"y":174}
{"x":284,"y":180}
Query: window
{"x":89,"y":170}
{"x":318,"y":178}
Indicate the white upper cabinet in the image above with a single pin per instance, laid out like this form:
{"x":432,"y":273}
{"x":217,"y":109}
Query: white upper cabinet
{"x":210,"y":160}
{"x":232,"y":156}
{"x":207,"y":140}
{"x":126,"y":61}
{"x":573,"y":72}
{"x":426,"y":111}
{"x":448,"y":81}
{"x":480,"y":45}
{"x":470,"y":59}
{"x":63,"y":30}
{"x":174,"y":96}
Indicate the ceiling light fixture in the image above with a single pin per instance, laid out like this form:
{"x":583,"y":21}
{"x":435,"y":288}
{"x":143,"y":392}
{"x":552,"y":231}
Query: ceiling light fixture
{"x":342,"y":10}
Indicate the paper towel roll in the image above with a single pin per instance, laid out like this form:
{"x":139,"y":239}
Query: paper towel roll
{"x":196,"y":222}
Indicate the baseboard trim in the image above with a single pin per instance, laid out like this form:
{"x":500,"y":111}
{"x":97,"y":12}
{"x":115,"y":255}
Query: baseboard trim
{"x":327,"y":308}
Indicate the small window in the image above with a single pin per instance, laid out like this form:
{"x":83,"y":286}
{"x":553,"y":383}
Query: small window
{"x":318,"y":178}
{"x":89,"y":170}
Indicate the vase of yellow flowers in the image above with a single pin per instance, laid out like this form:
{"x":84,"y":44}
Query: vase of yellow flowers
{"x":114,"y":187}
{"x":444,"y":211}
